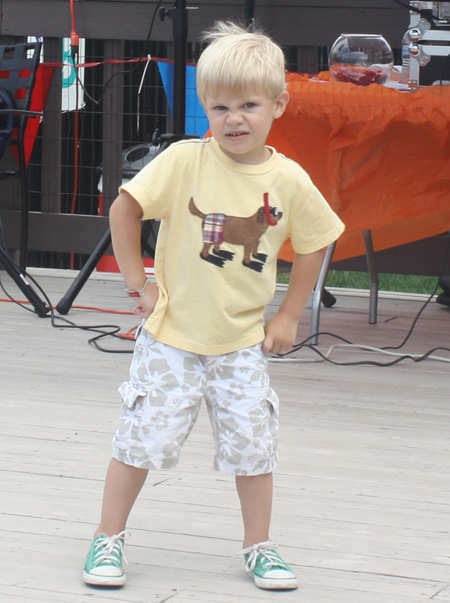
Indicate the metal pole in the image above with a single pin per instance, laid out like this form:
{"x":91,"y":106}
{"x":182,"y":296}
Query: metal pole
{"x":249,"y":12}
{"x":180,"y":26}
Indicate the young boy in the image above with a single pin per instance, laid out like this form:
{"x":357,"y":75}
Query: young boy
{"x":227,"y":204}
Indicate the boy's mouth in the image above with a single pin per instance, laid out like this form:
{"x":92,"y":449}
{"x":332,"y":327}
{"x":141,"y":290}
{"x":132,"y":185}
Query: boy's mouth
{"x":236,"y":135}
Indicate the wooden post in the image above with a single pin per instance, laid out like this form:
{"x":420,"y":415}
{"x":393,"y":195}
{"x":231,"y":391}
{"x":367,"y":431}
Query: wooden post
{"x":112,"y":124}
{"x":51,"y":132}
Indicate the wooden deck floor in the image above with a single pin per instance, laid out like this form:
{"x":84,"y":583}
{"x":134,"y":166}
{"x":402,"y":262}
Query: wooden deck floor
{"x":361,"y":508}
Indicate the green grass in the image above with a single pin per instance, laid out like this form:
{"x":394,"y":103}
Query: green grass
{"x":387,"y":282}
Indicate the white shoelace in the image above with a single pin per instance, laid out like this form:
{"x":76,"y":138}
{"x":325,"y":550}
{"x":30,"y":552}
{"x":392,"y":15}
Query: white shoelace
{"x":107,"y":546}
{"x":267,"y":550}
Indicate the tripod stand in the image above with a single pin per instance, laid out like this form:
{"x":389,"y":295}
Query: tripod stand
{"x":66,"y":302}
{"x":18,"y":66}
{"x":17,"y":273}
{"x":19,"y":277}
{"x":179,"y":16}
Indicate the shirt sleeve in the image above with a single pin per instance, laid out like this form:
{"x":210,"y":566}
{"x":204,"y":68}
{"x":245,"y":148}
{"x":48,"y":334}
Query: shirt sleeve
{"x":314,"y":224}
{"x":155,"y":186}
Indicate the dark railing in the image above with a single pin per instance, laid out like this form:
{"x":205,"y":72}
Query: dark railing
{"x":73,"y":150}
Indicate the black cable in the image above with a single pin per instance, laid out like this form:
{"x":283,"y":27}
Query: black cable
{"x":89,"y":328}
{"x":27,"y":308}
{"x":153,"y":21}
{"x":380,"y":364}
{"x":4,"y":247}
{"x":314,"y":349}
{"x":304,"y":343}
{"x":412,"y":8}
{"x":444,"y":264}
{"x":115,"y":329}
{"x":94,"y":341}
{"x":67,"y":323}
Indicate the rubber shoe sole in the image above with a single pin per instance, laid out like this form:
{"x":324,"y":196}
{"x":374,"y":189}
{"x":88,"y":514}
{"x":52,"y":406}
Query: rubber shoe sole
{"x":268,"y":584}
{"x":97,"y":580}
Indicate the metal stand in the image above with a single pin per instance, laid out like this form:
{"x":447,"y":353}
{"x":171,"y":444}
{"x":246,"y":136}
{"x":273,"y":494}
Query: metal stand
{"x":180,"y":33}
{"x":317,"y":295}
{"x":249,"y":12}
{"x":66,"y":302}
{"x":19,"y":277}
{"x":373,"y":273}
{"x":319,"y":290}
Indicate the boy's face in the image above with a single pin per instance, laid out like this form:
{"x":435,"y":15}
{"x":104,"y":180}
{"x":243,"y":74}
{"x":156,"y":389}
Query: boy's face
{"x":241,"y":124}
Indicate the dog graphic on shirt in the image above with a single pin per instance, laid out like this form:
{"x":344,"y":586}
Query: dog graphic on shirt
{"x":246,"y":232}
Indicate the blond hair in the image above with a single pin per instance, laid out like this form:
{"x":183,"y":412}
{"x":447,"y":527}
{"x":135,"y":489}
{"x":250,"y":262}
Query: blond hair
{"x":239,"y":61}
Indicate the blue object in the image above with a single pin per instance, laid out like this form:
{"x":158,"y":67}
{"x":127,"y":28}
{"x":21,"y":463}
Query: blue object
{"x":196,"y":121}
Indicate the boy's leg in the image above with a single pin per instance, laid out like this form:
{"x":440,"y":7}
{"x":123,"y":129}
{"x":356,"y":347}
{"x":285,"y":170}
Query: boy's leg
{"x":157,"y":415}
{"x":262,"y":562}
{"x":104,"y":562}
{"x":122,"y":486}
{"x":255,"y":495}
{"x":244,"y":416}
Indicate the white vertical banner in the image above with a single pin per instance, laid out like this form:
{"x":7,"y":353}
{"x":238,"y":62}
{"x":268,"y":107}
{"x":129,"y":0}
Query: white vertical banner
{"x":70,"y":83}
{"x":72,"y":87}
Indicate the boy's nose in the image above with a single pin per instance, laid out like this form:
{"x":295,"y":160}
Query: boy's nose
{"x":235,"y":117}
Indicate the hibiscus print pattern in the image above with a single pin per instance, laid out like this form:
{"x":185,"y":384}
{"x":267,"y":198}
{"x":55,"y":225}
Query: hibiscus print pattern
{"x":162,"y":400}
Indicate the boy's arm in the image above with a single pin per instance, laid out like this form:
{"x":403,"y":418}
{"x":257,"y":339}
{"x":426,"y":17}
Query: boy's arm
{"x":125,"y":221}
{"x":281,"y":330}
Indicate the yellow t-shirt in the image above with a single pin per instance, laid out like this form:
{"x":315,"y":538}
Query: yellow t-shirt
{"x":216,"y":254}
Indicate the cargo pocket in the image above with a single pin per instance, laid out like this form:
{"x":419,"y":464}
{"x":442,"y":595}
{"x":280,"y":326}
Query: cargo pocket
{"x":273,"y":401}
{"x":139,"y":331}
{"x":130,"y":392}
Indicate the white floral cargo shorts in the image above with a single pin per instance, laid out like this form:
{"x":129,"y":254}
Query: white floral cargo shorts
{"x":162,"y":399}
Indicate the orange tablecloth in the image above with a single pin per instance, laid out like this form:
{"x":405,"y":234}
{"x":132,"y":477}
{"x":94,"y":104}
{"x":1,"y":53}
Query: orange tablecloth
{"x":380,"y":157}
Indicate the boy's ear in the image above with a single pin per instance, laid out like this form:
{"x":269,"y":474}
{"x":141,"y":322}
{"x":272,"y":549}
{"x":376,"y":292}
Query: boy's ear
{"x":281,"y":103}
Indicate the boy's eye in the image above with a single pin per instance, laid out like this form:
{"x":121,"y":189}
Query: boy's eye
{"x":249,"y":105}
{"x":220,"y":108}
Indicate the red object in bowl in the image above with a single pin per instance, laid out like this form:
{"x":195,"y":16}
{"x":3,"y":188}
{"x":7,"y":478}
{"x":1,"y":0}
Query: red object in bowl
{"x":360,"y":75}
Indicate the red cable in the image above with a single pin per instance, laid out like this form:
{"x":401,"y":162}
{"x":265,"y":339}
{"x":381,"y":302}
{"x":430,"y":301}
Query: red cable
{"x":25,"y":301}
{"x":76,"y":163}
{"x":128,"y":335}
{"x":269,"y":220}
{"x":74,"y":38}
{"x":75,"y":44}
{"x":106,"y":62}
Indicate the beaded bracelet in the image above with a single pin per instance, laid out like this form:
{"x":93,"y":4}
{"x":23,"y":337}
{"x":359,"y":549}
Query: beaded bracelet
{"x":137,"y":293}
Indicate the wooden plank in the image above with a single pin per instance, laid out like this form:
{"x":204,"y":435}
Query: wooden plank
{"x":312,"y":25}
{"x":52,"y":133}
{"x":361,"y":492}
{"x":81,"y":234}
{"x":112,"y":124}
{"x":420,"y":257}
{"x":73,"y":233}
{"x":292,"y":23}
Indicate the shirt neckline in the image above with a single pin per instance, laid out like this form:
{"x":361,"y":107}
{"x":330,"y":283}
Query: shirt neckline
{"x":244,"y":168}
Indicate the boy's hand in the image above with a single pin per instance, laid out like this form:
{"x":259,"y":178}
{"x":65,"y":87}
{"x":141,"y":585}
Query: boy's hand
{"x":281,"y":332}
{"x":147,"y":302}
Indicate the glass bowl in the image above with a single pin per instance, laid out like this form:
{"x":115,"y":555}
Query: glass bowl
{"x":361,"y":59}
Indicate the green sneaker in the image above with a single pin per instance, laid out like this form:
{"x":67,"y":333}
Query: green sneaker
{"x":267,"y":569}
{"x":104,"y":561}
